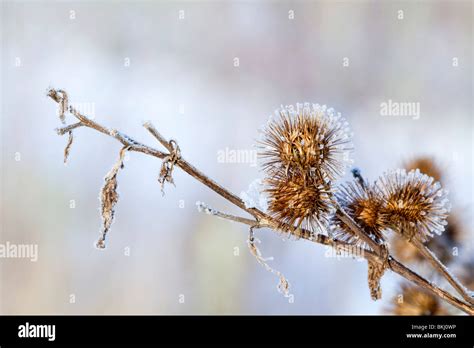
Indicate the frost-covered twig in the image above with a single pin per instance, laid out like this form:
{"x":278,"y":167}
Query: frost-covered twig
{"x":441,"y":268}
{"x":261,"y":217}
{"x":283,"y":284}
{"x":67,"y":129}
{"x":350,"y":223}
{"x":204,"y":208}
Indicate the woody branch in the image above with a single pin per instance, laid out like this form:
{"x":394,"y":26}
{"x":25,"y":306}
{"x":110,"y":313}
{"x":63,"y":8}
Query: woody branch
{"x":260,"y":218}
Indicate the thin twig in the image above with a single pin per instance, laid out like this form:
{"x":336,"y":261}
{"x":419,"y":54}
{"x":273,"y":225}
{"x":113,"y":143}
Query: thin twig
{"x":393,"y":264}
{"x":263,"y":218}
{"x":438,"y":265}
{"x":67,"y":129}
{"x":203,"y":207}
{"x":158,"y":136}
{"x":407,"y":273}
{"x":346,"y":219}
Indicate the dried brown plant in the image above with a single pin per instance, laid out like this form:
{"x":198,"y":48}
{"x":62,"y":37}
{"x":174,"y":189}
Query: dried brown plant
{"x":109,"y":197}
{"x":360,"y":200}
{"x":425,"y":164}
{"x":445,"y":244}
{"x":309,"y":138}
{"x":414,"y":205}
{"x":414,"y":301}
{"x":375,"y":274}
{"x":313,"y":153}
{"x":299,"y":200}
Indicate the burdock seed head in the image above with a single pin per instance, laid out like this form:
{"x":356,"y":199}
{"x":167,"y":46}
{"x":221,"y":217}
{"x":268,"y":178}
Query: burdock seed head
{"x":306,"y":138}
{"x":299,"y":200}
{"x":415,"y":301}
{"x":361,"y":202}
{"x":427,"y":165}
{"x":414,"y":205}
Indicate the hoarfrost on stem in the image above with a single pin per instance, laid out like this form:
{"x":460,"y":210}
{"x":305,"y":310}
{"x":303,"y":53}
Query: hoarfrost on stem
{"x":255,"y":197}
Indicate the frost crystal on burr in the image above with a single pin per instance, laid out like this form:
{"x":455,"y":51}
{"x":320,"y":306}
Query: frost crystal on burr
{"x":415,"y":205}
{"x":308,"y":137}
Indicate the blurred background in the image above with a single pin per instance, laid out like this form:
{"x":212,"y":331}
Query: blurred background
{"x":209,"y":74}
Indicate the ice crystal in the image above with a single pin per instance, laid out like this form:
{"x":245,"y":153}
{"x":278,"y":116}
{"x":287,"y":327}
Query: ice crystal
{"x":255,"y":196}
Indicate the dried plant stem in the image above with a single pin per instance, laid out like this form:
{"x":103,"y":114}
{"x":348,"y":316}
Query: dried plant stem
{"x":370,"y":256}
{"x":344,"y":217}
{"x":263,"y":219}
{"x":67,"y":129}
{"x":211,"y":211}
{"x":438,"y":265}
{"x":407,"y":273}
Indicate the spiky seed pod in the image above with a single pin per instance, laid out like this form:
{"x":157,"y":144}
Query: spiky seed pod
{"x":299,"y":200}
{"x":413,"y":300}
{"x":361,"y":202}
{"x":414,"y":205}
{"x":426,"y":165}
{"x":308,"y":138}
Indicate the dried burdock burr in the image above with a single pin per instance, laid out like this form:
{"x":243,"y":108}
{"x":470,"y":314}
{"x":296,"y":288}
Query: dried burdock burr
{"x":426,"y":165}
{"x":299,"y":200}
{"x":306,"y":138}
{"x":412,"y":300}
{"x":362,"y":202}
{"x":416,"y":208}
{"x":305,"y":151}
{"x":443,"y":245}
{"x":414,"y":205}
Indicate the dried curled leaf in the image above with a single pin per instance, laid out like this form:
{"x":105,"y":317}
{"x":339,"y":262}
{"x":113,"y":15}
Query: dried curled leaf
{"x":109,"y":197}
{"x":283,"y":284}
{"x":62,"y":99}
{"x":63,"y":106}
{"x":376,"y":271}
{"x":167,"y":166}
{"x":67,"y":149}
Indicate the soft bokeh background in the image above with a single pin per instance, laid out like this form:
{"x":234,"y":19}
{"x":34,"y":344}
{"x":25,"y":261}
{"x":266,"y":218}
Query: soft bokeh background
{"x":183,"y":78}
